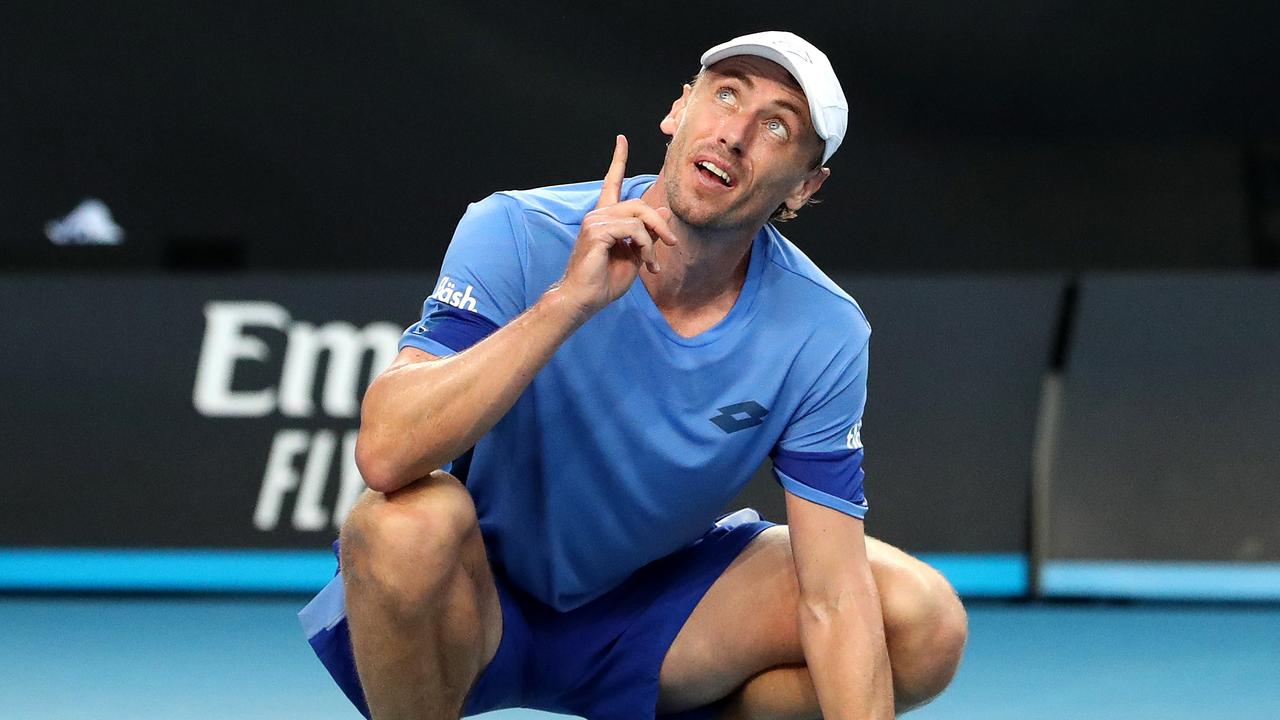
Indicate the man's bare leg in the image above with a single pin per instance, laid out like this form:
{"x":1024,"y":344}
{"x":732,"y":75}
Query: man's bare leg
{"x":742,"y":641}
{"x":422,"y":606}
{"x":780,"y":693}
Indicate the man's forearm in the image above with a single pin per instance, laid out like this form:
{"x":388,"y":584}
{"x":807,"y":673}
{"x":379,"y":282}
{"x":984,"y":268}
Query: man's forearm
{"x":844,"y":648}
{"x":419,"y":416}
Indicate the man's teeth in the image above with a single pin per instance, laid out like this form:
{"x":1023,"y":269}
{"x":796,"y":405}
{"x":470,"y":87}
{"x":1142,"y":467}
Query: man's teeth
{"x":710,"y":167}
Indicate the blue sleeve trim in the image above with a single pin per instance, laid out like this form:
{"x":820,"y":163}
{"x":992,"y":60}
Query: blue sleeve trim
{"x":838,"y":474}
{"x":801,"y":490}
{"x":425,"y":344}
{"x":449,"y":327}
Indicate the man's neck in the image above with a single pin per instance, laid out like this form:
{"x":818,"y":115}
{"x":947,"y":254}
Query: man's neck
{"x":702,"y":275}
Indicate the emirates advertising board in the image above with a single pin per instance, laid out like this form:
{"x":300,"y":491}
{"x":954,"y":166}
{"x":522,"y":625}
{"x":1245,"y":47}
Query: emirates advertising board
{"x":197,"y":433}
{"x":186,"y":432}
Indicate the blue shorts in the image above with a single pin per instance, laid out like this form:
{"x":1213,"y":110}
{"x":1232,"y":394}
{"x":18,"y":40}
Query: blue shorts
{"x":600,"y":661}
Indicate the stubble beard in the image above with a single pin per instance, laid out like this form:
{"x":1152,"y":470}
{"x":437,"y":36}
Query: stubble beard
{"x":683,"y":201}
{"x":685,"y":206}
{"x":692,"y":213}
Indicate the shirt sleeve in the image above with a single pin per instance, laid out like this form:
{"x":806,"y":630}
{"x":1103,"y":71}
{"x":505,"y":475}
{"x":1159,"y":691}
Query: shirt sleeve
{"x":481,"y":283}
{"x":819,"y":456}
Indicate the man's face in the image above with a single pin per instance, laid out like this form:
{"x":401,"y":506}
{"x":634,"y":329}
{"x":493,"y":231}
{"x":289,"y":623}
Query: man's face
{"x":741,"y":144}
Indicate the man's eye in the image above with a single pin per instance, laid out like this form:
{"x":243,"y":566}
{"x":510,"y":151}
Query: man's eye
{"x":724,"y":95}
{"x":777,"y":127}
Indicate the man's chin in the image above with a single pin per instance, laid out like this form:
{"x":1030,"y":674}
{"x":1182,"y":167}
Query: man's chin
{"x":704,"y":221}
{"x":698,"y":214}
{"x":711,"y":219}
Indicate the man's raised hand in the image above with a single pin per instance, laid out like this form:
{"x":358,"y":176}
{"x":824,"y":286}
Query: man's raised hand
{"x":615,"y":240}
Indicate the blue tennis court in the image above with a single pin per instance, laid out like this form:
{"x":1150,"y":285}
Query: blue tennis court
{"x":107,"y":658}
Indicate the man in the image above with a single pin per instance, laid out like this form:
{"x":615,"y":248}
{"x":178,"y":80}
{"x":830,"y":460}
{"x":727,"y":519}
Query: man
{"x":604,"y":365}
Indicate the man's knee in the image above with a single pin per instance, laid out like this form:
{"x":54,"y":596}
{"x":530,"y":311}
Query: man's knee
{"x":402,"y":547}
{"x":927,"y":627}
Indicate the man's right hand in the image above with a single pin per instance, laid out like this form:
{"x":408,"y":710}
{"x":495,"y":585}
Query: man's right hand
{"x":424,"y":411}
{"x":615,"y":240}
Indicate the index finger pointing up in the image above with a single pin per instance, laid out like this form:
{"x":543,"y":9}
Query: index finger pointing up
{"x":611,"y":191}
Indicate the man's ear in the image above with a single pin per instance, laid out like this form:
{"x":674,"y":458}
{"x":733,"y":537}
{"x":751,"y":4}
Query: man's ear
{"x":672,"y":120}
{"x":805,"y":189}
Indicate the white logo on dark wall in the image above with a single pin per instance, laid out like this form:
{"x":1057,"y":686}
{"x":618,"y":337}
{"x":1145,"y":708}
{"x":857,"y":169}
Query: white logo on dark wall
{"x":301,"y":462}
{"x":447,"y":292}
{"x":90,"y":223}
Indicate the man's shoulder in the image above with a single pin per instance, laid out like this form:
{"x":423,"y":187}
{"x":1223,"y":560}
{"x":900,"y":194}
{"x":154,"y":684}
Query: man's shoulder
{"x":567,"y":204}
{"x":797,"y":281}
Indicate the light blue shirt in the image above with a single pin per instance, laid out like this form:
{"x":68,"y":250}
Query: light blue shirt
{"x":632,"y":439}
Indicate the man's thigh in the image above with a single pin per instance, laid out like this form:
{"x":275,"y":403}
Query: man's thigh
{"x":744,"y":624}
{"x":418,"y":585}
{"x":747,"y":622}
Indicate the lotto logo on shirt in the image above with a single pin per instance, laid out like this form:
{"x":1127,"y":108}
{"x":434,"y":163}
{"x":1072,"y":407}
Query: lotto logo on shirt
{"x":447,"y":292}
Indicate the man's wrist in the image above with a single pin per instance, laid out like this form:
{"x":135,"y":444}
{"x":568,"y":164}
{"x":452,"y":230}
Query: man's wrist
{"x":560,"y":302}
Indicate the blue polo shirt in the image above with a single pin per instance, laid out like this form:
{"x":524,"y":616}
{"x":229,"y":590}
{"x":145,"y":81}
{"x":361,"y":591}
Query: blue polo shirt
{"x":632,"y":439}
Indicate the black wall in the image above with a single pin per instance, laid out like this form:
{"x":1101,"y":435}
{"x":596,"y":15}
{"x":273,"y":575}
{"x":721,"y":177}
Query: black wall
{"x":1004,"y":136}
{"x":1168,"y":435}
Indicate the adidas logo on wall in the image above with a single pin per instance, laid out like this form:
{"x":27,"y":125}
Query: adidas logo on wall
{"x":89,"y":224}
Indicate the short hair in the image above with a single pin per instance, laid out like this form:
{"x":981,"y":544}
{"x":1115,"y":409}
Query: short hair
{"x":783,"y":213}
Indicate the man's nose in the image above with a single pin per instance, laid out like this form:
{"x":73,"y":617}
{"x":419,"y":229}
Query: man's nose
{"x":735,"y":133}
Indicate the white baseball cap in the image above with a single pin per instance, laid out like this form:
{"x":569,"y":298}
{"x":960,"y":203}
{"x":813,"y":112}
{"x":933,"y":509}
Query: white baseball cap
{"x":808,"y":65}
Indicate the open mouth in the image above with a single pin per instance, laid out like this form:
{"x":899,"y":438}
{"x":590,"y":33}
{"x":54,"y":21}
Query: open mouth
{"x":715,"y":172}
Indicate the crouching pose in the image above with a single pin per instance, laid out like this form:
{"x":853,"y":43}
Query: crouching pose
{"x":600,"y":369}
